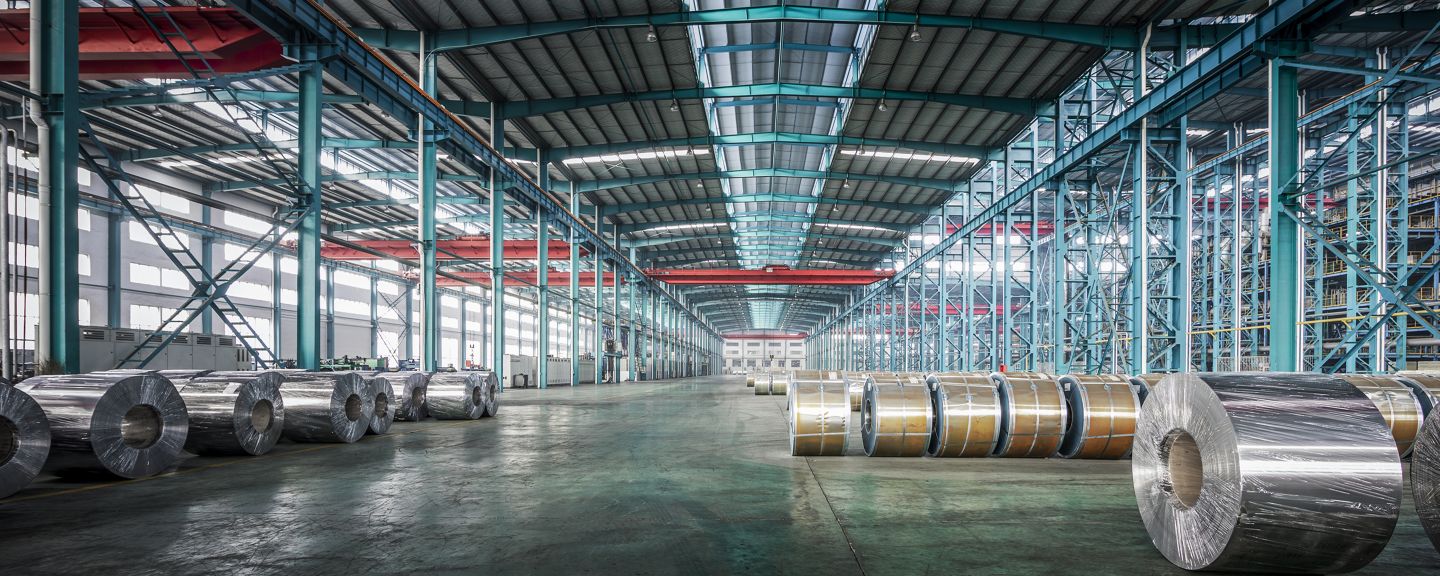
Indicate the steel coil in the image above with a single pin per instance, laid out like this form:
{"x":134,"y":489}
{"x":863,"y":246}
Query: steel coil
{"x":1426,"y":387}
{"x":1033,"y":414}
{"x":490,"y":394}
{"x":762,"y":384}
{"x":457,"y":395}
{"x":1425,"y":477}
{"x":1143,"y":383}
{"x":1100,"y":416}
{"x":1398,"y":404}
{"x":24,"y":440}
{"x":967,"y":415}
{"x":382,"y":395}
{"x":1257,"y":472}
{"x":333,"y":408}
{"x":233,"y":414}
{"x":896,"y":417}
{"x":855,"y":388}
{"x":176,"y":376}
{"x":129,"y":424}
{"x":409,"y":400}
{"x":819,"y":414}
{"x":749,"y":381}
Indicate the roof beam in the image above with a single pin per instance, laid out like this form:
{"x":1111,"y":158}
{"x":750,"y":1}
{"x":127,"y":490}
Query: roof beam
{"x":352,"y":177}
{"x":101,"y":100}
{"x":919,"y":209}
{"x":768,"y":138}
{"x":887,"y":243}
{"x":1110,"y":37}
{"x":732,"y":48}
{"x":767,"y":276}
{"x":793,"y":248}
{"x":337,"y":143}
{"x":948,"y":186}
{"x":796,"y":218}
{"x":761,"y":253}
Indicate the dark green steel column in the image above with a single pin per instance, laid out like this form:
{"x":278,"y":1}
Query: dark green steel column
{"x":542,"y":278}
{"x":497,"y":251}
{"x":307,"y":289}
{"x":1285,"y":245}
{"x":54,"y":69}
{"x":429,"y":299}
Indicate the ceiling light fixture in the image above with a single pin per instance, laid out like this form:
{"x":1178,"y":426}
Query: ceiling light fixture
{"x":883,"y":107}
{"x":650,"y":35}
{"x":674,"y":105}
{"x":915,"y":34}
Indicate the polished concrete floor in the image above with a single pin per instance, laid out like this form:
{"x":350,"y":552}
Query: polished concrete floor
{"x":681,"y":477}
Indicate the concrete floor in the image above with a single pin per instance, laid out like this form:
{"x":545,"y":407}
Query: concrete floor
{"x":681,"y":477}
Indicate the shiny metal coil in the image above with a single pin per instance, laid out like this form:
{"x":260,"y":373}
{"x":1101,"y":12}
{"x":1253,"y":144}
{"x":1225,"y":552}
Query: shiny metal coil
{"x":490,"y":393}
{"x":1033,"y":416}
{"x":1265,"y":472}
{"x":130,"y":424}
{"x":750,"y":381}
{"x":177,"y":375}
{"x":1425,"y":477}
{"x":383,"y":396}
{"x":235,"y":413}
{"x":24,"y":440}
{"x":1143,"y":383}
{"x":896,"y":417}
{"x":1426,"y":387}
{"x":333,"y":408}
{"x":967,"y":415}
{"x":409,"y":388}
{"x":1398,"y":404}
{"x":855,"y":388}
{"x":457,"y":395}
{"x":819,"y":414}
{"x":1100,"y":416}
{"x":762,"y":383}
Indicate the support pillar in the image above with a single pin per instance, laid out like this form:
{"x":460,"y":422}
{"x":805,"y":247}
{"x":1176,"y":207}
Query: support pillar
{"x":574,"y":289}
{"x":497,"y":252}
{"x":429,"y":299}
{"x":54,"y":68}
{"x":307,"y":279}
{"x":542,"y":278}
{"x":1285,"y":240}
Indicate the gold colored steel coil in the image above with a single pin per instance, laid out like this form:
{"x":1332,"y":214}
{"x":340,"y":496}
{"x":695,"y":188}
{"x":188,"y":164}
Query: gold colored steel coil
{"x":1144,"y":384}
{"x":1033,"y":421}
{"x":819,"y":414}
{"x":855,"y":386}
{"x":1426,"y":387}
{"x":896,"y":418}
{"x":762,"y":383}
{"x":1101,"y":411}
{"x":779,"y":384}
{"x":1397,"y":402}
{"x":749,"y":381}
{"x":967,"y":415}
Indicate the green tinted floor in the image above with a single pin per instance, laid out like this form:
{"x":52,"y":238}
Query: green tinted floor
{"x":680,"y":477}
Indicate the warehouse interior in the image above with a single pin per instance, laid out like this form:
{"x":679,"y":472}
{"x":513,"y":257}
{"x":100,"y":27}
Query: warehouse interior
{"x":765,"y":286}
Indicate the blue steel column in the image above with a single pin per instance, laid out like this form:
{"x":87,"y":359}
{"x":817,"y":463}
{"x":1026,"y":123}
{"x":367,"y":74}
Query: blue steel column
{"x":574,"y":290}
{"x":599,"y":297}
{"x":374,"y":316}
{"x":1139,"y":240}
{"x":113,"y":262}
{"x":497,"y":252}
{"x":1285,"y":255}
{"x":633,"y":338}
{"x":542,"y":277}
{"x":942,"y":296}
{"x":307,"y":279}
{"x":54,"y":75}
{"x":1060,"y":248}
{"x":429,"y":300}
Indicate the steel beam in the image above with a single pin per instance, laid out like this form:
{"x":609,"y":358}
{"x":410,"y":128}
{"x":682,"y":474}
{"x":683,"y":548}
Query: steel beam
{"x":932,"y":183}
{"x":54,"y":42}
{"x":1285,"y":241}
{"x":307,"y":279}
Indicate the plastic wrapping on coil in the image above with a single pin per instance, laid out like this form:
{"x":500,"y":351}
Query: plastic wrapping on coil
{"x":177,"y":375}
{"x":457,"y":395}
{"x":1425,"y":477}
{"x":896,"y":417}
{"x":1397,"y":403}
{"x":235,"y":413}
{"x":382,"y":398}
{"x":1032,"y":421}
{"x":490,"y":394}
{"x":1257,"y":472}
{"x":409,"y":401}
{"x":819,"y":414}
{"x":967,"y":415}
{"x":1426,"y":387}
{"x":24,"y":440}
{"x":334,"y":408}
{"x":129,"y":424}
{"x":1100,"y":416}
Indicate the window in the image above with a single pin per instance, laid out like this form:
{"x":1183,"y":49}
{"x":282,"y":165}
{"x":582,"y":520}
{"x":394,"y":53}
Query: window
{"x":263,"y":328}
{"x":147,"y":317}
{"x":82,"y":219}
{"x":388,"y":344}
{"x":82,"y":264}
{"x":139,"y":234}
{"x":287,"y":296}
{"x":352,"y":307}
{"x":25,"y":254}
{"x":449,"y":301}
{"x":233,"y":251}
{"x":153,"y":276}
{"x":449,"y":322}
{"x":83,"y":314}
{"x":450,"y":352}
{"x":289,"y":265}
{"x":165,"y":201}
{"x":252,"y":291}
{"x":351,"y":279}
{"x":238,"y":221}
{"x":387,"y":288}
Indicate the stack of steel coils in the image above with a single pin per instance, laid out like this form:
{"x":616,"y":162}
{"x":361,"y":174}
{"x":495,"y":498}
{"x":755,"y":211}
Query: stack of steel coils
{"x":409,"y":400}
{"x":382,"y":395}
{"x":1100,"y":416}
{"x":326,"y":406}
{"x":855,"y":388}
{"x":1426,"y":387}
{"x":771,"y":384}
{"x":1143,"y":383}
{"x":1033,"y":420}
{"x":1425,"y":476}
{"x":458,"y":395}
{"x":232,"y":413}
{"x":819,"y":411}
{"x":1398,"y":404}
{"x":24,"y":440}
{"x":967,"y":415}
{"x":130,"y":424}
{"x":750,"y":381}
{"x":1293,"y":473}
{"x":896,"y":417}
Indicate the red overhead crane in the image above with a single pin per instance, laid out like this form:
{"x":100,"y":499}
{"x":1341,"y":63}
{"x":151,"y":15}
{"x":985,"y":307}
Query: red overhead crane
{"x":557,"y":279}
{"x":469,"y":248}
{"x":118,"y":43}
{"x":769,"y":275}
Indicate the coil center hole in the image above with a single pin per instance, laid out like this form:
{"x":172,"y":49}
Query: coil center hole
{"x":9,"y":440}
{"x":262,"y":416}
{"x":354,"y":408}
{"x":382,"y":406}
{"x":475,"y":396}
{"x":141,"y":426}
{"x":416,"y":399}
{"x":1184,"y":467}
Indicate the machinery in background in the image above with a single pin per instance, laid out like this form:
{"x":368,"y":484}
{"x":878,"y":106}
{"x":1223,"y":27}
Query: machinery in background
{"x":103,"y":348}
{"x":349,"y":363}
{"x":521,"y":371}
{"x":614,"y":360}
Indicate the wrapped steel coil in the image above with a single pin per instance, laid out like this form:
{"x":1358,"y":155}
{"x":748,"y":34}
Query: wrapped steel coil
{"x":176,"y":376}
{"x":1426,"y":387}
{"x":896,"y":418}
{"x":762,"y":384}
{"x":490,"y":393}
{"x":1397,"y":402}
{"x":409,"y":388}
{"x":855,"y":388}
{"x":1143,"y":383}
{"x":330,"y":409}
{"x":772,"y":384}
{"x":457,"y":395}
{"x":1425,"y":477}
{"x":1033,"y":414}
{"x":819,"y":411}
{"x":24,"y":440}
{"x":1100,"y":416}
{"x":382,"y":395}
{"x":967,"y":415}
{"x":750,"y":381}
{"x":130,"y":424}
{"x":1260,"y":472}
{"x":234,"y":414}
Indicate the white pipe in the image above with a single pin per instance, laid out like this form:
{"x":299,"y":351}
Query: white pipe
{"x":42,"y":187}
{"x":6,"y":370}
